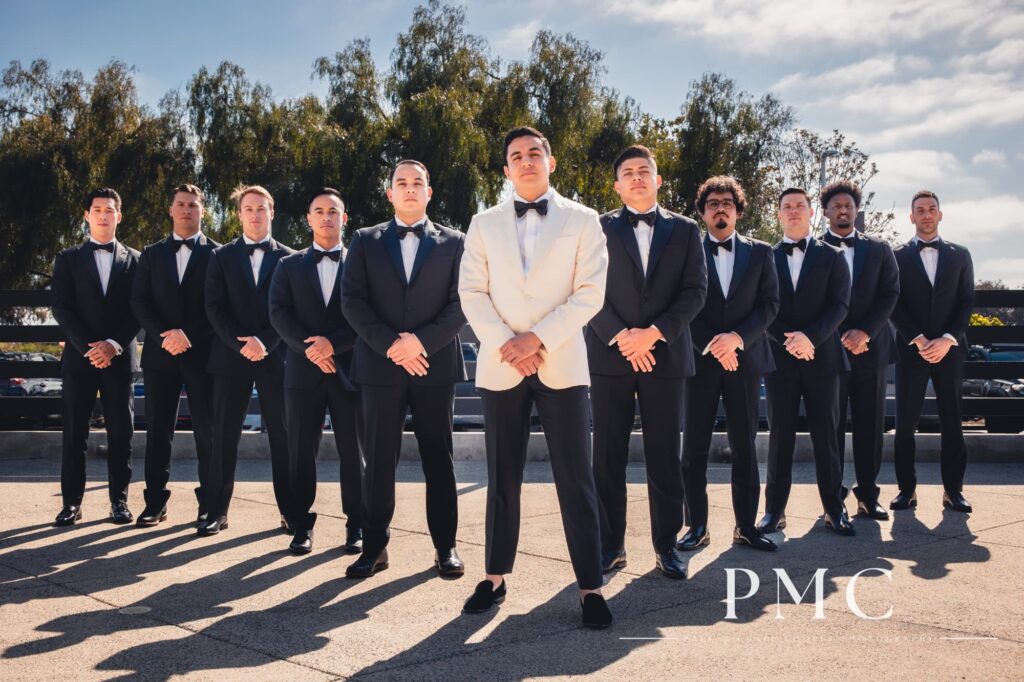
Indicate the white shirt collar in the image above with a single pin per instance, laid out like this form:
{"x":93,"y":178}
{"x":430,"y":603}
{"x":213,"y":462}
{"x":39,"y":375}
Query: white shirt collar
{"x":317,"y":247}
{"x":194,"y":238}
{"x":633,"y":210}
{"x":930,"y":241}
{"x":787,"y":240}
{"x":402,"y":223}
{"x":112,"y":241}
{"x":249,"y":241}
{"x":719,"y":241}
{"x":547,"y":195}
{"x":852,"y":234}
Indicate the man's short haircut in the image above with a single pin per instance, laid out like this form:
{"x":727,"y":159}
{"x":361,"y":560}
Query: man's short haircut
{"x":526,"y":131}
{"x":633,"y":151}
{"x":322,"y":191}
{"x":838,"y":187}
{"x":102,"y":193}
{"x":925,"y":194}
{"x":242,"y":190}
{"x":189,"y":189}
{"x":721,"y":184}
{"x":794,"y":190}
{"x":410,"y":162}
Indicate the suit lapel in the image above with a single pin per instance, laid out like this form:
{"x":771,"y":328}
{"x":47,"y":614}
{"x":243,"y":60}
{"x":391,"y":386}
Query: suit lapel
{"x":394,"y":248}
{"x":740,"y":262}
{"x":627,"y":235}
{"x":782,"y":266}
{"x":427,"y":243}
{"x":860,"y":252}
{"x":199,"y":243}
{"x":662,"y":233}
{"x":336,"y":287}
{"x":169,"y":257}
{"x":270,"y":257}
{"x":943,"y":262}
{"x":242,"y":258}
{"x":89,"y":263}
{"x":313,"y":276}
{"x":550,"y":229}
{"x":810,"y":256}
{"x":915,"y":256}
{"x":117,"y":265}
{"x":713,"y":279}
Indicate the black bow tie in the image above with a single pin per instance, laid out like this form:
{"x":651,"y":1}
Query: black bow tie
{"x":190,"y":243}
{"x":836,"y":240}
{"x":320,"y":255}
{"x":927,"y":245}
{"x":789,"y":246}
{"x":416,"y":229}
{"x":715,"y":246}
{"x":109,"y":247}
{"x":541,"y":207}
{"x":262,"y":246}
{"x":635,"y":218}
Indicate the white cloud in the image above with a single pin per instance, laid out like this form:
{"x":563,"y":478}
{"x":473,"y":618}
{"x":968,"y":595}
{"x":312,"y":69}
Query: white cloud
{"x":1006,"y":55}
{"x":517,"y":40}
{"x":979,"y":221}
{"x":869,"y":70}
{"x":763,"y":28}
{"x":989,"y":157}
{"x":1010,"y":270}
{"x":902,"y":173}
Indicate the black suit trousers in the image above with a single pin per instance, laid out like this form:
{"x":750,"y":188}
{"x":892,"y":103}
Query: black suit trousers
{"x":821,"y":404}
{"x":78,"y":400}
{"x":613,"y":401}
{"x":947,"y":376}
{"x":163,"y":390}
{"x":863,"y":389}
{"x":305,"y":409}
{"x":382,"y":413}
{"x":231,"y":395}
{"x":739,"y":392}
{"x":565,"y":417}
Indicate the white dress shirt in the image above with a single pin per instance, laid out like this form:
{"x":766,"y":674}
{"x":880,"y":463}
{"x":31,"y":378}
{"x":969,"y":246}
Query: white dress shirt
{"x":930,"y":259}
{"x":724,"y":261}
{"x":644,"y":233}
{"x":410,"y":245}
{"x":328,"y":271}
{"x":795,"y":259}
{"x":184,"y":254}
{"x":846,"y":250}
{"x":104,"y":262}
{"x":256,"y":259}
{"x":528,"y":227}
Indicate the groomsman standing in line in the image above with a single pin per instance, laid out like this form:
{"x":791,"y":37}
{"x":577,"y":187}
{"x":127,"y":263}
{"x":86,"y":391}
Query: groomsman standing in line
{"x":867,"y":337}
{"x":532,"y":276}
{"x":733,"y":353}
{"x":935,"y":305}
{"x":305,"y":309}
{"x":400,"y":292}
{"x":91,"y":286}
{"x":168,"y":298}
{"x":639,"y":348}
{"x":814,"y":293}
{"x":246,"y":351}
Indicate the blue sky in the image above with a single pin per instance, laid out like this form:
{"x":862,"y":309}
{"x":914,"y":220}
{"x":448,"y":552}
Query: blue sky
{"x":933,"y":90}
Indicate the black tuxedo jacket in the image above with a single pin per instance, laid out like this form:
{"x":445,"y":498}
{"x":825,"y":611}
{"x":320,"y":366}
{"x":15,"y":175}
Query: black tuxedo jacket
{"x":161,"y":303}
{"x":237,"y":306}
{"x":934,"y":310}
{"x":379,"y":303}
{"x":816,"y":308}
{"x":85,"y":314}
{"x":669,"y":296}
{"x":873,"y":295}
{"x":297,"y":311}
{"x":752,"y":304}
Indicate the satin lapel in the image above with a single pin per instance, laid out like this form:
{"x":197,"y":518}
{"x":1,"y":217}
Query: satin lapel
{"x":713,"y":279}
{"x":627,"y":235}
{"x":507,"y":227}
{"x":427,"y":243}
{"x":118,"y":264}
{"x":89,"y":263}
{"x":394,"y":248}
{"x":662,"y":233}
{"x":550,"y":229}
{"x":170,"y":263}
{"x":810,"y":256}
{"x":190,"y":267}
{"x":309,"y":263}
{"x":942,"y":266}
{"x":244,"y":261}
{"x":740,"y":262}
{"x":860,"y":252}
{"x":270,"y":257}
{"x":336,"y":289}
{"x":915,"y":256}
{"x":782,"y":267}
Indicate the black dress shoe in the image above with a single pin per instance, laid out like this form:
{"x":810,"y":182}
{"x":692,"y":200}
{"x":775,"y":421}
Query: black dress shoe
{"x":353,"y":541}
{"x":285,"y":527}
{"x":302,"y":543}
{"x":368,"y":564}
{"x":213,"y":526}
{"x":753,"y":538}
{"x":484,"y":597}
{"x":904,"y":501}
{"x":772,"y":522}
{"x":201,"y":518}
{"x":840,"y":525}
{"x":596,"y":613}
{"x":698,"y":536}
{"x":151,"y":517}
{"x":670,"y":564}
{"x":120,"y":514}
{"x":612,"y":560}
{"x":956,"y":502}
{"x":872,"y":510}
{"x":448,"y":563}
{"x":68,"y":515}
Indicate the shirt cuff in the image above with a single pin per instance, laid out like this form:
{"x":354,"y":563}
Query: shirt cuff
{"x":914,"y":340}
{"x":951,"y":338}
{"x":661,"y":337}
{"x":187,"y":340}
{"x":259,"y":342}
{"x":740,"y":338}
{"x":116,"y":345}
{"x":614,"y":340}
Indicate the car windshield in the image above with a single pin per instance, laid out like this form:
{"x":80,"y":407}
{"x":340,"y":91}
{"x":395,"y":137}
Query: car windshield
{"x":1007,"y":356}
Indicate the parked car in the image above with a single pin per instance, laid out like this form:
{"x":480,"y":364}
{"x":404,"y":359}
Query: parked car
{"x":14,"y":387}
{"x":998,"y":388}
{"x":44,"y":387}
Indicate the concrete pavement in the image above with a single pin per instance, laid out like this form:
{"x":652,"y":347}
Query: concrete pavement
{"x":98,"y":601}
